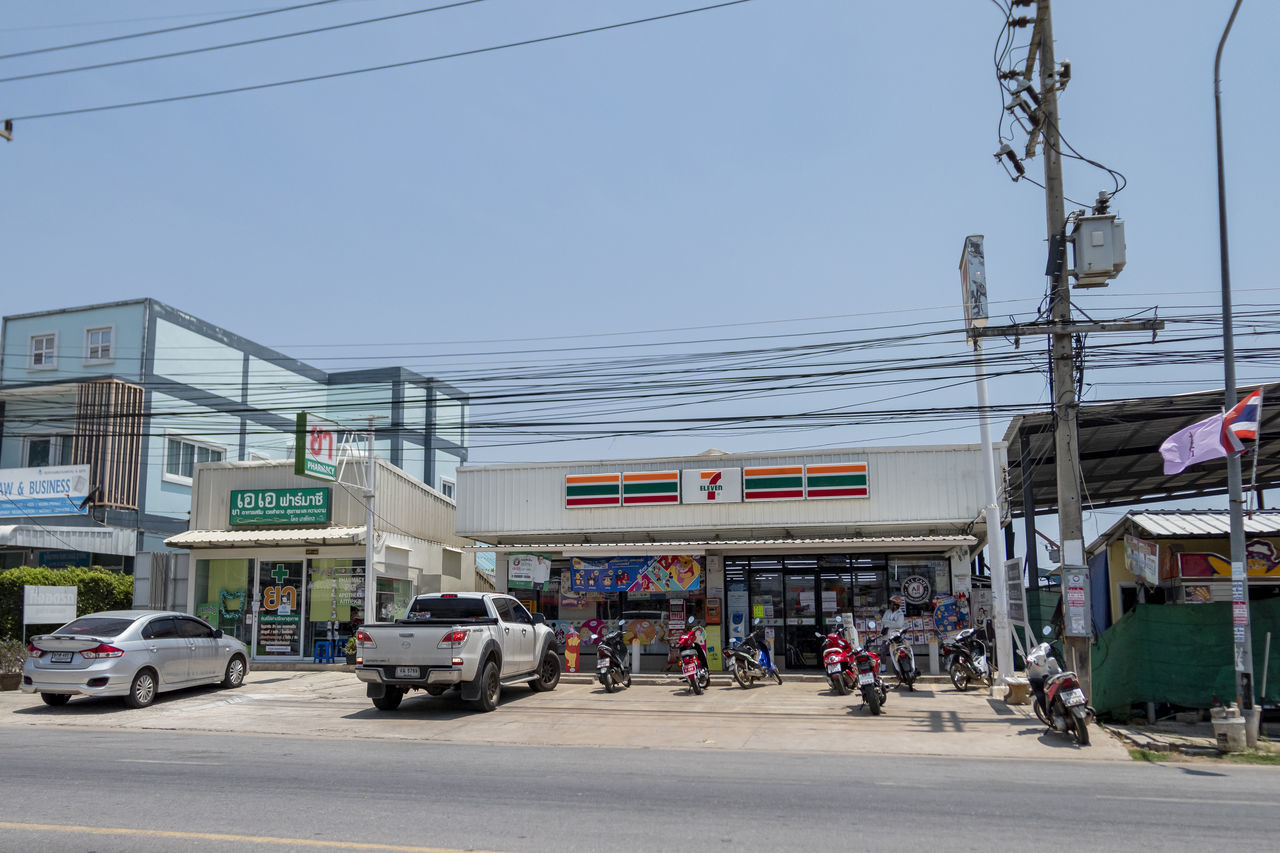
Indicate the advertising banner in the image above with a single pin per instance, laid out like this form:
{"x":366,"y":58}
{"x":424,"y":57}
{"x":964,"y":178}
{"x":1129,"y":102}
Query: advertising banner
{"x":51,"y":490}
{"x":668,"y":573}
{"x":1142,"y":559}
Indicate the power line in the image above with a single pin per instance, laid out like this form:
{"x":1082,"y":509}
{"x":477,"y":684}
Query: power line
{"x":168,"y":29}
{"x":214,"y":47}
{"x":386,"y":67}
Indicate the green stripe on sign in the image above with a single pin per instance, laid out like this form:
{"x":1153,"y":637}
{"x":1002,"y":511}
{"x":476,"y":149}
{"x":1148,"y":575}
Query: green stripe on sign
{"x":668,"y":488}
{"x":593,"y":489}
{"x":832,"y":481}
{"x":774,"y":482}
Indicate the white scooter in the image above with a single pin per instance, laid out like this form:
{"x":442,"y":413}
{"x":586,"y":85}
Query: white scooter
{"x":904,"y":659}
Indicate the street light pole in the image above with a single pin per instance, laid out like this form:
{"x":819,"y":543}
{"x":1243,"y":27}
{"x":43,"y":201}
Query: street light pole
{"x":1243,"y":645}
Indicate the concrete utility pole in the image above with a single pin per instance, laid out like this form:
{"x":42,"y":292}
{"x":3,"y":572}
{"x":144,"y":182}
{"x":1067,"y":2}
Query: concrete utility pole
{"x":1243,"y":641}
{"x":1065,"y":405}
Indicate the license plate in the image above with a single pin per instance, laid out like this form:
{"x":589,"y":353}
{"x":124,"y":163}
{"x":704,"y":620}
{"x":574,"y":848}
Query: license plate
{"x":602,"y":663}
{"x":61,"y":657}
{"x":866,"y":678}
{"x":833,"y":667}
{"x":1071,"y":698}
{"x":407,"y":672}
{"x":690,"y":666}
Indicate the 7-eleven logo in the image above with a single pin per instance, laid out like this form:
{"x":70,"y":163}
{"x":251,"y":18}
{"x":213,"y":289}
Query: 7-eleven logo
{"x":711,"y":484}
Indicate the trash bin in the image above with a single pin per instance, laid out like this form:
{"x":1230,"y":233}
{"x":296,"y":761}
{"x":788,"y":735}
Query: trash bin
{"x":1230,"y":732}
{"x":1252,"y":717}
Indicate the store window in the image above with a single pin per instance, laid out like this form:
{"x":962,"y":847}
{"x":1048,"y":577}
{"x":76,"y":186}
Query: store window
{"x":393,"y":598}
{"x":335,"y":603}
{"x":223,"y":595}
{"x":183,"y":454}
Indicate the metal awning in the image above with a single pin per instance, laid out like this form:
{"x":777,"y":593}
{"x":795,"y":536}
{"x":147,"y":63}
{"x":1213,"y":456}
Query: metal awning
{"x":295,"y":536}
{"x":119,"y":541}
{"x":1120,"y":462}
{"x":698,"y":547}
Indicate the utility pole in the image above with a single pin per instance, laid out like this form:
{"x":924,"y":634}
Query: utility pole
{"x":370,"y":548}
{"x":1065,"y":405}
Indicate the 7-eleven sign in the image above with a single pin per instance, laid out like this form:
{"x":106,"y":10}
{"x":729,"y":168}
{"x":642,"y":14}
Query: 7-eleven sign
{"x":715,"y":485}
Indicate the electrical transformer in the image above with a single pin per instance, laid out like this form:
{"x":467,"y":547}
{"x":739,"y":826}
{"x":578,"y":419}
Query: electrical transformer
{"x":1097,"y":249}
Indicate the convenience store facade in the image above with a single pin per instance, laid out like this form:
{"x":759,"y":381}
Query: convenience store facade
{"x":794,"y":539}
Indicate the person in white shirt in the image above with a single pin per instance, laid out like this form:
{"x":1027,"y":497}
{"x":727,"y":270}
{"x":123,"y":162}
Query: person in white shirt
{"x":893,"y":621}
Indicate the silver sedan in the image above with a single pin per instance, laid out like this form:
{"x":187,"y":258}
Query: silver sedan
{"x":131,"y":653}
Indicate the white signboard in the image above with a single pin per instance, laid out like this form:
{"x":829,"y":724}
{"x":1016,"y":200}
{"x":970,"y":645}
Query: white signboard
{"x":711,"y":485}
{"x":48,"y":605}
{"x":528,"y":569}
{"x":52,"y":490}
{"x":1143,"y":558}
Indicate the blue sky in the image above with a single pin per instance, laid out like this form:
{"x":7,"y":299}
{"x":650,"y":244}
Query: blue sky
{"x":778,"y":167}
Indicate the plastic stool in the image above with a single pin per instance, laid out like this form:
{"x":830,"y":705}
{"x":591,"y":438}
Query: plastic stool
{"x":323,"y":652}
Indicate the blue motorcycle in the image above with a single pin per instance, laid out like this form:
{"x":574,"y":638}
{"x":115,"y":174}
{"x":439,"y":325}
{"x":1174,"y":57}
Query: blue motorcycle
{"x":749,"y":659}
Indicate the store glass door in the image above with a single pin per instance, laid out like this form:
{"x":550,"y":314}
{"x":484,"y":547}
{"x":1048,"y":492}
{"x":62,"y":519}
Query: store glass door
{"x":280,"y":593}
{"x":802,"y":646}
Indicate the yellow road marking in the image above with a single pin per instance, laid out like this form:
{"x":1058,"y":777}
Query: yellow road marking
{"x":241,"y":839}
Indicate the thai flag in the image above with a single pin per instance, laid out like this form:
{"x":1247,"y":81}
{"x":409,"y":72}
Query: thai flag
{"x":1244,"y":416}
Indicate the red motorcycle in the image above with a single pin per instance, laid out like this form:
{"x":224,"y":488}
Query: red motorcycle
{"x":874,"y":690}
{"x":837,"y":658}
{"x":693,"y":657}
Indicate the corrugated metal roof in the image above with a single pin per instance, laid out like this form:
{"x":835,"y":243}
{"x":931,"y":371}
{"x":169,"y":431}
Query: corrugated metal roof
{"x":296,"y":536}
{"x":94,"y":540}
{"x":1172,"y":523}
{"x":720,"y":544}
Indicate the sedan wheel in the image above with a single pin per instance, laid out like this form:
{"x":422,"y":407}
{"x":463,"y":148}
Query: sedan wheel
{"x":143,"y":690}
{"x":235,"y":672}
{"x":55,"y":699}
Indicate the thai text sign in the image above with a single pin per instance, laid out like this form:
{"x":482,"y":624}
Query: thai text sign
{"x":279,"y":506}
{"x":52,"y":490}
{"x":48,"y":605}
{"x":316,"y":447}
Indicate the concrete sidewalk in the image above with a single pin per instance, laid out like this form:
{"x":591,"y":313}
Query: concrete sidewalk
{"x":800,"y":715}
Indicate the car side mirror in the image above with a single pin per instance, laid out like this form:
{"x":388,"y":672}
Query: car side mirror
{"x":217,"y":633}
{"x":538,"y":618}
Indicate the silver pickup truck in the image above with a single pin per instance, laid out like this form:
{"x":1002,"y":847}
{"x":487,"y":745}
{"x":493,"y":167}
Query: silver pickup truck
{"x":473,"y":642}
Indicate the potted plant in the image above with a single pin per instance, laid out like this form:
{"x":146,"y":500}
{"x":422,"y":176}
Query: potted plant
{"x":13,"y":653}
{"x":350,"y":650}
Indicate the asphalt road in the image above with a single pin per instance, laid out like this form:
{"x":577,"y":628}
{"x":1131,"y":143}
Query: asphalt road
{"x":86,"y":790}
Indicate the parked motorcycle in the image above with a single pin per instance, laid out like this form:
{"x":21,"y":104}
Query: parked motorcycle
{"x":874,"y":690}
{"x":749,"y":659}
{"x":1060,"y":703}
{"x":613,"y":664}
{"x":693,"y":657}
{"x":967,"y":659}
{"x":904,"y":659}
{"x":837,"y":658}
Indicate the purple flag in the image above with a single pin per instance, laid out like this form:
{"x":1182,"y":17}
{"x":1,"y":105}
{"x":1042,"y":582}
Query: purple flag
{"x":1199,"y":442}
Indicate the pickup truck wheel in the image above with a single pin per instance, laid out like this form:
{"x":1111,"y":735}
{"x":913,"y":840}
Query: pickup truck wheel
{"x":389,"y":700}
{"x":490,"y":687}
{"x":548,"y":673}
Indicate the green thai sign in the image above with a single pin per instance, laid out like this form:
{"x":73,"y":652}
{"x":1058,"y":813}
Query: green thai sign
{"x":279,"y":506}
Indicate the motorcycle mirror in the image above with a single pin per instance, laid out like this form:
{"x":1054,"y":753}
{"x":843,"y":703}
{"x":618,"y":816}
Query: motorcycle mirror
{"x":1046,"y":631}
{"x":871,"y":626}
{"x":692,"y":621}
{"x":755,"y":622}
{"x":595,"y":638}
{"x":622,"y":623}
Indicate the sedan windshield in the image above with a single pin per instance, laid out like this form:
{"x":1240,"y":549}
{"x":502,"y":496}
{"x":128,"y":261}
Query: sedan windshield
{"x":96,"y":626}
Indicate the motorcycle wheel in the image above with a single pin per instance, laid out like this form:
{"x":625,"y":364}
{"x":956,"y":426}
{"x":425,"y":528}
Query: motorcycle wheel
{"x":883,"y":690}
{"x":607,"y":680}
{"x":872,"y":698}
{"x":777,"y":676}
{"x":959,"y":677}
{"x":627,"y":683}
{"x":704,"y":678}
{"x":1082,"y":731}
{"x":838,"y":684}
{"x":695,"y":684}
{"x":740,"y":678}
{"x":1040,"y":713}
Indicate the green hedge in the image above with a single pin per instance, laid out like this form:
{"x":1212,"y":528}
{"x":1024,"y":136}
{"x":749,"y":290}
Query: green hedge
{"x":99,"y":589}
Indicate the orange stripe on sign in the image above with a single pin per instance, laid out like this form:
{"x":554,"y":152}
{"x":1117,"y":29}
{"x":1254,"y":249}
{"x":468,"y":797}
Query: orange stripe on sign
{"x":647,"y":476}
{"x":854,"y":468}
{"x":591,"y":478}
{"x":773,"y":472}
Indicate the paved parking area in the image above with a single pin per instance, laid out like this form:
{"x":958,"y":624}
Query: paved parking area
{"x":796,"y":716}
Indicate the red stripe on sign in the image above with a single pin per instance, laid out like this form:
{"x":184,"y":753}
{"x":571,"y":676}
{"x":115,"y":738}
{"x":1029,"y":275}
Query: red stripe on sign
{"x":825,"y":493}
{"x":777,"y":493}
{"x":652,"y":499}
{"x":608,"y":500}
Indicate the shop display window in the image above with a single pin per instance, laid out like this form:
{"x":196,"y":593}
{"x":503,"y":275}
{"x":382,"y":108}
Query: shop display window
{"x":223,"y":595}
{"x":335,"y":602}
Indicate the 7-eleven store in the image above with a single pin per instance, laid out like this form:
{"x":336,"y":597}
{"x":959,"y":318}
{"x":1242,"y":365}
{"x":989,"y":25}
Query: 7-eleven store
{"x":794,"y":539}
